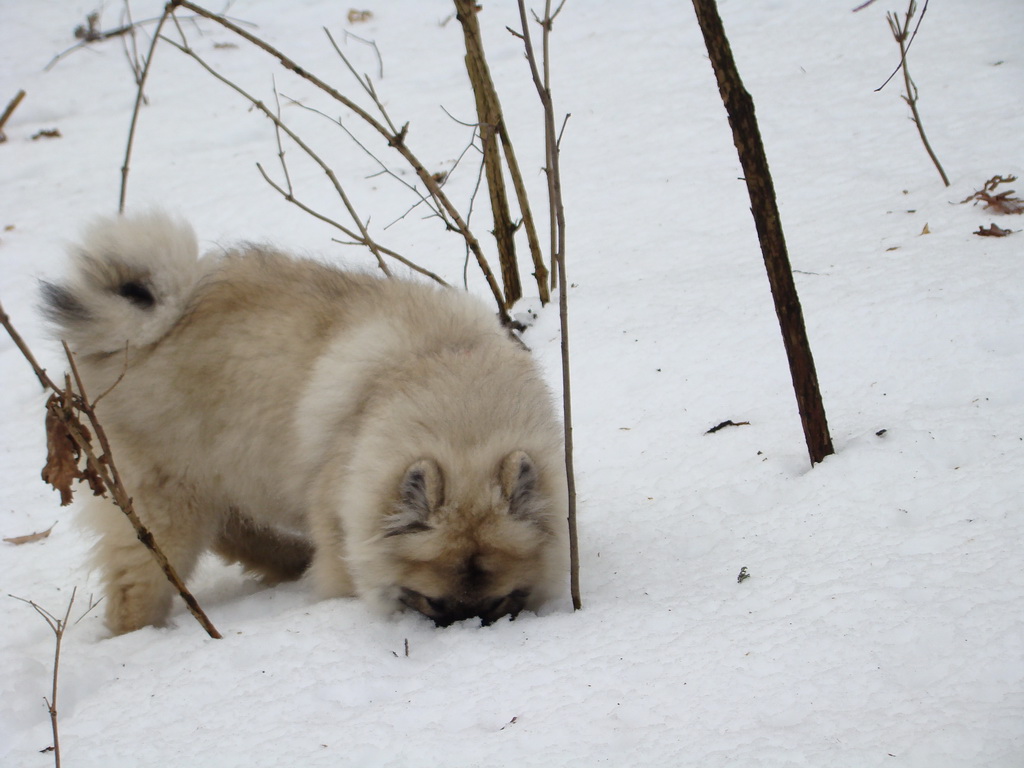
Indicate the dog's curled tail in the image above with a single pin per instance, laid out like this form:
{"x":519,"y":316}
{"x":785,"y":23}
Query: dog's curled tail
{"x":131,"y":280}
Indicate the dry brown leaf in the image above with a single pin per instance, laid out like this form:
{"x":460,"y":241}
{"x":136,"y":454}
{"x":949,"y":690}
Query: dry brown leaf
{"x":61,"y":468}
{"x":357,"y":17}
{"x":993,"y":231}
{"x":62,"y":454}
{"x":29,"y":538}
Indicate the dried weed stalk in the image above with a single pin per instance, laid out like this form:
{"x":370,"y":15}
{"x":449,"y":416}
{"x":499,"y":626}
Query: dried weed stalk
{"x":1002,"y":202}
{"x":541,"y":74}
{"x":901,"y":33}
{"x":59,"y":626}
{"x":494,"y":132}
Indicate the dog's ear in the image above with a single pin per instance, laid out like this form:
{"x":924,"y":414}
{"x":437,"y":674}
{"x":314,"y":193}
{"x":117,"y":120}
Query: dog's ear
{"x":420,"y":492}
{"x":520,"y":484}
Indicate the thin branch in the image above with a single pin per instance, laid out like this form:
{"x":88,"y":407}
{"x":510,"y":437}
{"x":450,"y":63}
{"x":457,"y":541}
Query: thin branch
{"x":469,"y":215}
{"x":58,"y":626}
{"x":364,"y":235}
{"x":903,"y":57}
{"x":376,"y":51}
{"x":364,"y":81}
{"x":19,"y":342}
{"x":356,"y":239}
{"x":138,"y":104}
{"x":443,"y":179}
{"x":8,"y":111}
{"x":394,"y":139}
{"x":384,"y":169}
{"x":277,"y":136}
{"x":130,"y":44}
{"x":900,"y":34}
{"x":557,"y":213}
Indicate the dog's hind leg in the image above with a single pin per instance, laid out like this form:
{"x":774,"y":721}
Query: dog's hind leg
{"x":137,"y":591}
{"x":270,"y":553}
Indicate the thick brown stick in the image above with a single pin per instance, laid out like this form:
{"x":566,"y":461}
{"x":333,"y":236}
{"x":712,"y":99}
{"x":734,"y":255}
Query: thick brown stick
{"x":489,"y":115}
{"x":492,"y":128}
{"x":540,"y":271}
{"x":747,"y":137}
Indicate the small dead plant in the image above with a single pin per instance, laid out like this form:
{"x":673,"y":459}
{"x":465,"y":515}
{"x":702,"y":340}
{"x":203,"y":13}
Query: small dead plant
{"x":59,"y":625}
{"x":904,"y":37}
{"x":1001,"y":202}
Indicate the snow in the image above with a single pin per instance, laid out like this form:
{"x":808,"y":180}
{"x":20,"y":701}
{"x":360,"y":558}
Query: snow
{"x":881,"y":623}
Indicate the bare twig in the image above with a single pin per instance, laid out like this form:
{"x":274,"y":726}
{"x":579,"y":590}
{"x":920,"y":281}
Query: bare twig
{"x":376,"y":51}
{"x":19,"y":342}
{"x":901,"y":33}
{"x":363,"y":237}
{"x":395,"y":139}
{"x":384,"y":169}
{"x":364,"y":81}
{"x":910,"y":42}
{"x":59,"y":626}
{"x":139,"y":97}
{"x":557,"y":214}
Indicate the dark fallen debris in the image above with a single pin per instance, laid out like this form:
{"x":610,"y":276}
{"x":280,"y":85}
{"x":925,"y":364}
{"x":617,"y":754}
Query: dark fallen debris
{"x":744,"y":575}
{"x":727,"y":423}
{"x":90,"y":32}
{"x":993,"y":231}
{"x":48,"y":133}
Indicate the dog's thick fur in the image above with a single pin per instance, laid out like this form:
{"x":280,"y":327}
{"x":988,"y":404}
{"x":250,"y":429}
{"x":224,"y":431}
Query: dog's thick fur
{"x":280,"y":412}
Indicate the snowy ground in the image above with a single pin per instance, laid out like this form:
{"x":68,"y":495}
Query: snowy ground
{"x":882,"y":622}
